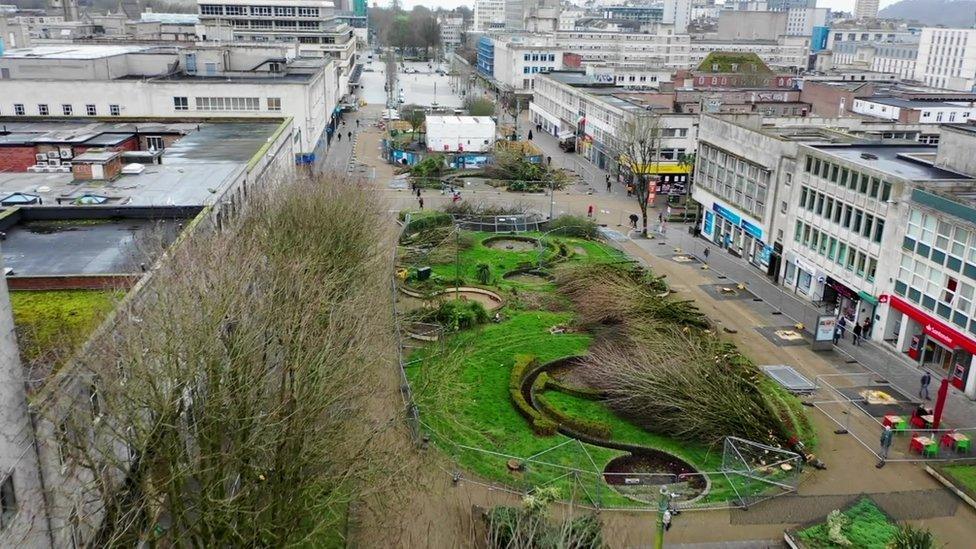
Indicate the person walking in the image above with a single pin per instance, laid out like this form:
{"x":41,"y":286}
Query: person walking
{"x":838,"y":333}
{"x":886,"y":436}
{"x":866,"y":330}
{"x":633,"y":221}
{"x":923,"y":390}
{"x":530,"y":135}
{"x":589,"y":211}
{"x":630,"y":189}
{"x":706,"y":252}
{"x":418,"y":191}
{"x":842,"y":326}
{"x":420,"y":200}
{"x":339,"y":136}
{"x":357,"y":122}
{"x":857,"y":331}
{"x":666,"y":520}
{"x":608,"y":183}
{"x":349,"y":135}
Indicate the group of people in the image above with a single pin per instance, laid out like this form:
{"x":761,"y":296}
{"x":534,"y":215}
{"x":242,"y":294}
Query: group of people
{"x":858,"y":332}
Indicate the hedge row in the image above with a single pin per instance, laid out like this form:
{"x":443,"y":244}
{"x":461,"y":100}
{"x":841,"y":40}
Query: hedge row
{"x":541,"y":425}
{"x":575,"y":390}
{"x":596,"y":429}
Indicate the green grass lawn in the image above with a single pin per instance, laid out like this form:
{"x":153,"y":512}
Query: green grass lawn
{"x":503,"y":261}
{"x":963,"y":476}
{"x":461,"y":389}
{"x":53,"y":323}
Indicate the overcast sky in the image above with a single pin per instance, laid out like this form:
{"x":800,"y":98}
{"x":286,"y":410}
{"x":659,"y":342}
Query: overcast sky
{"x":842,"y":5}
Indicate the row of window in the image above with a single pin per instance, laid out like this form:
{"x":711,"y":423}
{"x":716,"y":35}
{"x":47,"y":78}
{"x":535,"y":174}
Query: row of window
{"x":933,"y":289}
{"x":862,"y":183}
{"x":941,"y":242}
{"x":539,"y":57}
{"x":535,"y":70}
{"x":43,"y":109}
{"x":277,"y":24}
{"x":258,"y":11}
{"x":842,"y":253}
{"x":735,"y":179}
{"x":843,"y":214}
{"x":227,"y":104}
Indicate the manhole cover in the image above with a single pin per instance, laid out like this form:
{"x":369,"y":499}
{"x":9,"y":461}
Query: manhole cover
{"x":788,"y":335}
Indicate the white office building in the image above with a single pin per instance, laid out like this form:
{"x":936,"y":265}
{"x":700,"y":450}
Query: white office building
{"x":308,"y":24}
{"x":489,"y":15}
{"x":947,"y":58}
{"x":233,"y":81}
{"x":866,"y":9}
{"x":678,"y":14}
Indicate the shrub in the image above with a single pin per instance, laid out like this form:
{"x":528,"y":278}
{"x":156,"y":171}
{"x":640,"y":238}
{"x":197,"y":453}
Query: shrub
{"x":574,"y":225}
{"x":429,"y":221}
{"x":479,"y":106}
{"x":597,"y":429}
{"x":457,"y":315}
{"x":909,"y":537}
{"x":483,"y":273}
{"x":432,"y":166}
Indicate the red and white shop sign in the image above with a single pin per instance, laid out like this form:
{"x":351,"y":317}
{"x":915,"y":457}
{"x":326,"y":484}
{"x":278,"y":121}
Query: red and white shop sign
{"x":933,"y":328}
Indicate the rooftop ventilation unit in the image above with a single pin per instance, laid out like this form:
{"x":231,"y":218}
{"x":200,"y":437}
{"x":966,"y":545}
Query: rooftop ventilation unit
{"x":869,"y":156}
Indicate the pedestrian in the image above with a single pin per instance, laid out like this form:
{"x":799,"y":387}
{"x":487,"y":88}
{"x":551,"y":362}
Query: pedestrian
{"x":866,"y":332}
{"x":608,"y":182}
{"x":589,"y":211}
{"x":842,"y":325}
{"x":530,"y":135}
{"x":357,"y":122}
{"x":660,"y":218}
{"x":630,"y":189}
{"x":549,"y":161}
{"x":418,"y":191}
{"x":706,"y":252}
{"x":923,"y":390}
{"x":886,"y":436}
{"x":856,"y":331}
{"x":339,"y":134}
{"x":838,"y":333}
{"x":666,"y":519}
{"x":420,"y":200}
{"x":349,"y":135}
{"x":633,"y":221}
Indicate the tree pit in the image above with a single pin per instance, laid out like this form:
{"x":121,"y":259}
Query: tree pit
{"x":640,"y":475}
{"x":511,"y":243}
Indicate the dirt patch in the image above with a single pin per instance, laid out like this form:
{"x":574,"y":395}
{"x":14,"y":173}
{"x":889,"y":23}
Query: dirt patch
{"x":640,"y":475}
{"x":579,"y":250}
{"x":529,"y":277}
{"x":512,"y":244}
{"x":490,"y":301}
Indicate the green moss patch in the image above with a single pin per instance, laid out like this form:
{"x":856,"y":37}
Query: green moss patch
{"x":51,"y":324}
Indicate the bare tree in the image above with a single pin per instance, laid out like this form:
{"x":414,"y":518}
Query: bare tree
{"x":638,"y":150}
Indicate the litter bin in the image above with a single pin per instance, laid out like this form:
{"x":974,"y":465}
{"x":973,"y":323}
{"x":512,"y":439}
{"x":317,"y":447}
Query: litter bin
{"x":423,"y":273}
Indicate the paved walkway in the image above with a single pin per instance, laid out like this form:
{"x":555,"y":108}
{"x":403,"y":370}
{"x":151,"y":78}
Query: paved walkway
{"x":878,"y":357}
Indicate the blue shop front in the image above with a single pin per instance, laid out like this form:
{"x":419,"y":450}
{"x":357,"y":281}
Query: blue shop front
{"x":736,"y":232}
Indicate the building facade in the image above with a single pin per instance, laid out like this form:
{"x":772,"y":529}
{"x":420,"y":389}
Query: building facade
{"x":866,"y":9}
{"x":138,"y":81}
{"x":489,"y":15}
{"x":947,"y":58}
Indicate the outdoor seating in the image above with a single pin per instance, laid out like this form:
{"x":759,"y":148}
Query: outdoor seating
{"x":957,"y":441}
{"x":923,"y":445}
{"x":897,"y":423}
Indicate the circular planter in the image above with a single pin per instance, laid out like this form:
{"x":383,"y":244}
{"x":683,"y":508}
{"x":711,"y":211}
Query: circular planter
{"x":511,"y":243}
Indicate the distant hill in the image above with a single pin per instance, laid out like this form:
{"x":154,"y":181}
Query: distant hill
{"x":950,"y":13}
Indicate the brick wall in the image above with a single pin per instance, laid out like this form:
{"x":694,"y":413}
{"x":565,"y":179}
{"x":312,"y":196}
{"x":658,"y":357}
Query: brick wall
{"x":825,"y":99}
{"x":73,"y":282}
{"x":16,"y":159}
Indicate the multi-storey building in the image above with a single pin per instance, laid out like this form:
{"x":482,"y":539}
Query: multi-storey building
{"x":947,"y":58}
{"x":233,"y":81}
{"x":869,"y":32}
{"x":310,"y":24}
{"x":660,"y":47}
{"x":489,"y":15}
{"x":915,"y":110}
{"x":866,"y":9}
{"x":802,"y":21}
{"x":452,"y":29}
{"x":516,"y":60}
{"x":597,"y":112}
{"x":641,"y":14}
{"x":786,"y":52}
{"x":678,"y":14}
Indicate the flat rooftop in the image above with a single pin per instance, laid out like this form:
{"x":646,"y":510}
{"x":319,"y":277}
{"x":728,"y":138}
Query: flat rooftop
{"x":74,"y":51}
{"x":577,"y":79}
{"x":203,"y":160}
{"x":902,"y":161}
{"x":912,"y":103}
{"x":101,"y":246}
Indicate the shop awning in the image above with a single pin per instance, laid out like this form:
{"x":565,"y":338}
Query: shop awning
{"x":867,"y":297}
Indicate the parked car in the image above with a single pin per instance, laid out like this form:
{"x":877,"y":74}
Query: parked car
{"x":568,"y":145}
